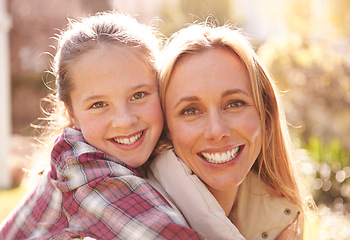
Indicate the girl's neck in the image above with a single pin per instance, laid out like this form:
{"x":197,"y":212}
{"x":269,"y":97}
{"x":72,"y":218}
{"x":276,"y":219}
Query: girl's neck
{"x":226,"y":198}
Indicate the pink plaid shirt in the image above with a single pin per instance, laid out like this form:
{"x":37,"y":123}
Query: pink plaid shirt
{"x":90,"y":194}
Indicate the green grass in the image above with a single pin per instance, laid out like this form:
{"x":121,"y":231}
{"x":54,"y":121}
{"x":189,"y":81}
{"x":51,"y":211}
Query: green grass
{"x":9,"y":199}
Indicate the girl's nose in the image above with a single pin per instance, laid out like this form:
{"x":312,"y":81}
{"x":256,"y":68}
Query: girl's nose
{"x":216,"y":127}
{"x":124,"y":117}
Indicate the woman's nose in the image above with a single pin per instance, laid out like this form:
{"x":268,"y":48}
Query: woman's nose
{"x":216,"y":127}
{"x":123,"y":117}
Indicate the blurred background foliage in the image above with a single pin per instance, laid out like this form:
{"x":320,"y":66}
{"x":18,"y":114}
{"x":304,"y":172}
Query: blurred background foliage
{"x":331,"y":173}
{"x":304,"y":44}
{"x":177,"y":14}
{"x":312,"y":65}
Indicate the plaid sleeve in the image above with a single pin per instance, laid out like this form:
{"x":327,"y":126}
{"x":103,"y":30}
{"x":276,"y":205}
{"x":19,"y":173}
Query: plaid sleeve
{"x":37,"y":215}
{"x":104,"y":199}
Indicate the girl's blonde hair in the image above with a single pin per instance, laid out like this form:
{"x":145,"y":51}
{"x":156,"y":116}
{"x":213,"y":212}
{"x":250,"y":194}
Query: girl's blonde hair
{"x":274,"y":164}
{"x":80,"y":37}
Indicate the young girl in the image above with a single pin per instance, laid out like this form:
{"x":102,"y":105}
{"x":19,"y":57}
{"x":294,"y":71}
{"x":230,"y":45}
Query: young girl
{"x":105,"y":77}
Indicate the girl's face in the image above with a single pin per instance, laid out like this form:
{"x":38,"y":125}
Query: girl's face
{"x":212,"y":118}
{"x":116,"y":104}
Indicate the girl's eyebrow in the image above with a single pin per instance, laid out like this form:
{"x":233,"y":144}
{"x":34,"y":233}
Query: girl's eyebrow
{"x":141,"y":86}
{"x":92,"y":98}
{"x":96,"y":97}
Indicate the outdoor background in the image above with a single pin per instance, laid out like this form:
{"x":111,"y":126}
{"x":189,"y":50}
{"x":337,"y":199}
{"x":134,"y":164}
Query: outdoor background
{"x":304,"y":43}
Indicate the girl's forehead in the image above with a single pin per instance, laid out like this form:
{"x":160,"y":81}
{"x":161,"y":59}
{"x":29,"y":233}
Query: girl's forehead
{"x":101,"y":51}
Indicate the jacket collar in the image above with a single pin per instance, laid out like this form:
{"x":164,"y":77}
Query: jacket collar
{"x":257,"y":213}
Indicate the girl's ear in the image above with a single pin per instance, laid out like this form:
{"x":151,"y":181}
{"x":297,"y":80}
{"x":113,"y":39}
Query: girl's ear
{"x":73,"y":122}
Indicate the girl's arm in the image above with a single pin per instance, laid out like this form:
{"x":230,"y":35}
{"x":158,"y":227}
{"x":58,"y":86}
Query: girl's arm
{"x":105,"y":200}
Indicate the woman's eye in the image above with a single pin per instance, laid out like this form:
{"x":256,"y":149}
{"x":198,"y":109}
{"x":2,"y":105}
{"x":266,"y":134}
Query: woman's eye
{"x":190,"y":111}
{"x":98,"y":105}
{"x":236,"y":104}
{"x":138,"y":95}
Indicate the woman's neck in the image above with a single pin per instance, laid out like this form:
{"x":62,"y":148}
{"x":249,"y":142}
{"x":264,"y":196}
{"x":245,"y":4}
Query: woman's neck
{"x":225,"y":198}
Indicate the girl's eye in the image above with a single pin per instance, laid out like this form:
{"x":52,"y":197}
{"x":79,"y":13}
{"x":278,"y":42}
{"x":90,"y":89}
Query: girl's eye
{"x":98,"y":105}
{"x":236,"y":104}
{"x":138,"y":95}
{"x":190,"y":111}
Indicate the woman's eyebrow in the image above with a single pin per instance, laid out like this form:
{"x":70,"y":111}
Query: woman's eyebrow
{"x":224,"y":94}
{"x":187,"y":99}
{"x":233,"y":91}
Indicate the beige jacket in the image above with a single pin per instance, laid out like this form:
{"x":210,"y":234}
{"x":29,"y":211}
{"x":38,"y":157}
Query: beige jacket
{"x":256,"y":214}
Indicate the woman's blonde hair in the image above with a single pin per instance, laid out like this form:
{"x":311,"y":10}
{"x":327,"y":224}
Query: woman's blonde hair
{"x":274,"y":163}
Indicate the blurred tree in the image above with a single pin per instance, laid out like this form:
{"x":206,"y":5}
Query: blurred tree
{"x":316,"y":76}
{"x":176,"y":14}
{"x":339,"y":15}
{"x":330,"y":178}
{"x":312,"y":63}
{"x":34,"y":26}
{"x":93,"y":6}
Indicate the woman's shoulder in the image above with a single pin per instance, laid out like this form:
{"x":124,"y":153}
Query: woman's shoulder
{"x":259,"y":210}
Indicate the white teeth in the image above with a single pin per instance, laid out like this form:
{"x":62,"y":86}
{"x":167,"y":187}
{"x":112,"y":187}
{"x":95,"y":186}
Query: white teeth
{"x":221,"y":158}
{"x":128,"y":141}
{"x":224,"y":157}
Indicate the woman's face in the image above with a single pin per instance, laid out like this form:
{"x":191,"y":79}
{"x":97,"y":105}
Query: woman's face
{"x":212,"y":118}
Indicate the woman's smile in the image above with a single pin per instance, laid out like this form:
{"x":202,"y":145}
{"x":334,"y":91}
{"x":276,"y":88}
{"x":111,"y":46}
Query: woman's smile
{"x":220,"y":157}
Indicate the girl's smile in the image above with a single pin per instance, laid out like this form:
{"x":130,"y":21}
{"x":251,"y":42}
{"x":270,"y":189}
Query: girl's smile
{"x":128,"y":140}
{"x":129,"y":143}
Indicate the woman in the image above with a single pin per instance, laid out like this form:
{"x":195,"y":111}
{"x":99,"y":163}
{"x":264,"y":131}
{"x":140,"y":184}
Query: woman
{"x":230,"y":172}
